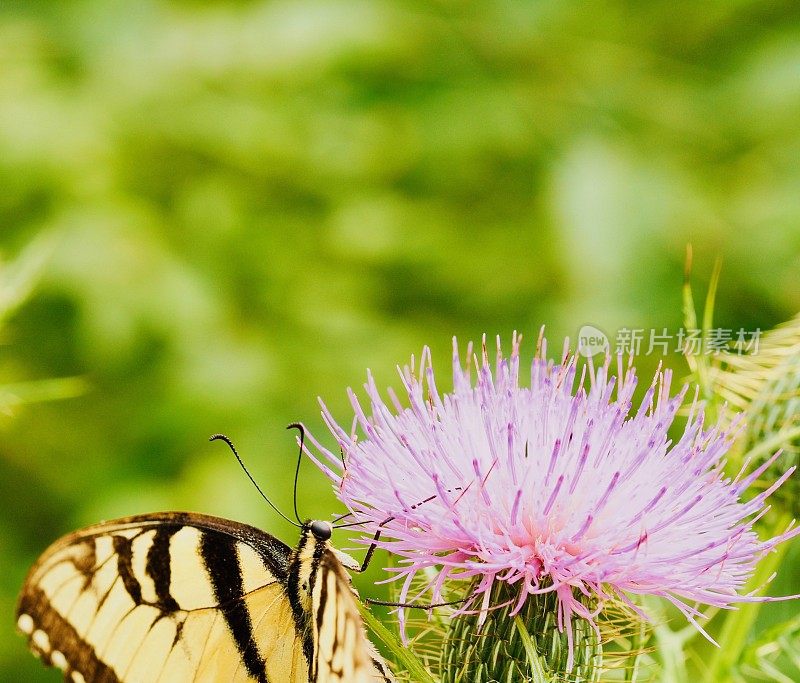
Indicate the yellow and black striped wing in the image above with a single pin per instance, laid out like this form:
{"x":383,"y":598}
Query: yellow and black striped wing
{"x":166,"y":598}
{"x":342,"y":652}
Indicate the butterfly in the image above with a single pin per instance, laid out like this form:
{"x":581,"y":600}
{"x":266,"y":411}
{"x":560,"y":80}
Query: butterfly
{"x":172,"y":597}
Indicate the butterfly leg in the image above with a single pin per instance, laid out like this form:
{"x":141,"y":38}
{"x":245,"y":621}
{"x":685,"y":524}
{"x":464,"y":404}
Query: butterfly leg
{"x":374,"y":544}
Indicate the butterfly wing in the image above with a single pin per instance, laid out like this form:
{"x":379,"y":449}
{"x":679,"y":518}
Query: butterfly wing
{"x":342,"y":652}
{"x":165,"y":598}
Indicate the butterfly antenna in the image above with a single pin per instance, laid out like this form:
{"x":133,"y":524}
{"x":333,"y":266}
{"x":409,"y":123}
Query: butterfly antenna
{"x":411,"y":605}
{"x":222,"y":437}
{"x":300,"y":428}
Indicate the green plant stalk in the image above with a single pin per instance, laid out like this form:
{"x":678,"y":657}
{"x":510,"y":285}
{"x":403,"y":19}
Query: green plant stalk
{"x":402,"y":655}
{"x":637,"y":645}
{"x":738,"y":623}
{"x":696,"y":364}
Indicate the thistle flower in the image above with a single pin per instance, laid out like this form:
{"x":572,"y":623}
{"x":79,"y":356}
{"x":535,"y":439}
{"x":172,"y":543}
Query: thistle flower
{"x":558,"y":488}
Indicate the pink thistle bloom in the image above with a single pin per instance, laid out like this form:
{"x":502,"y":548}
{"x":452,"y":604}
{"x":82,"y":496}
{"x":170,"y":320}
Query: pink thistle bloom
{"x":559,"y":486}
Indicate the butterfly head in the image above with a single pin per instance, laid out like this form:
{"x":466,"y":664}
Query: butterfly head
{"x":322,"y":530}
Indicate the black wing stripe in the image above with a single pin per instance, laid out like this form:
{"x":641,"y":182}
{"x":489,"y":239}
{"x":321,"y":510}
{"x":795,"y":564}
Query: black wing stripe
{"x":323,"y":601}
{"x":80,"y":656}
{"x":123,"y":549}
{"x":159,"y":569}
{"x":320,"y":547}
{"x":293,"y":591}
{"x":222,"y":564}
{"x":293,"y":586}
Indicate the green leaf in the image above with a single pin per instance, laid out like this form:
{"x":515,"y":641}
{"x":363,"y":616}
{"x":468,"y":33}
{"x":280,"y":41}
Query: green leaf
{"x":402,"y":655}
{"x":537,"y":671}
{"x":775,"y":656}
{"x":739,"y":622}
{"x":12,"y":396}
{"x":19,"y":277}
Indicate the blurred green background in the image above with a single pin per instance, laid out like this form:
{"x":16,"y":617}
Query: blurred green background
{"x":247,"y":204}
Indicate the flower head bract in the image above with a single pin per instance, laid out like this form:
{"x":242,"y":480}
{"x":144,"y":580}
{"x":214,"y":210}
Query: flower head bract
{"x":552,"y":484}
